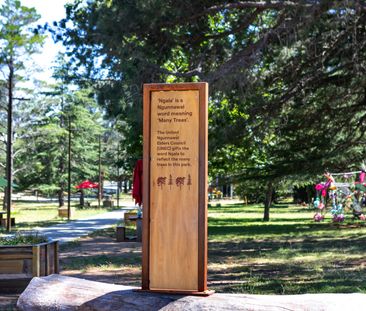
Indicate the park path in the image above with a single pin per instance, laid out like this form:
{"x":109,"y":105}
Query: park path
{"x":75,"y":229}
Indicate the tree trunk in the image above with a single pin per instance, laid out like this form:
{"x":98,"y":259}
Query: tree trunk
{"x":82,"y":201}
{"x":9,"y":145}
{"x":125,"y":189}
{"x":61,"y":201}
{"x":61,"y":164}
{"x":268,"y":201}
{"x":4,"y":200}
{"x":118,"y":190}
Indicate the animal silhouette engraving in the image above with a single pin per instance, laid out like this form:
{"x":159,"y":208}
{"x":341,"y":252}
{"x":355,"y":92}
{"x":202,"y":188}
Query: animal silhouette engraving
{"x":180,"y":182}
{"x":161,"y":182}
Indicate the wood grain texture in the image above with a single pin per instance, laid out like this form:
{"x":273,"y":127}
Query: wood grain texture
{"x":146,"y":191}
{"x":173,"y":205}
{"x":11,"y":266}
{"x":36,"y":261}
{"x":203,"y":184}
{"x":200,"y":230}
{"x":19,"y":263}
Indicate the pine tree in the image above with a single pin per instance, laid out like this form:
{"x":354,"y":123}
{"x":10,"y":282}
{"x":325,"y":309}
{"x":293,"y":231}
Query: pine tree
{"x":16,"y":42}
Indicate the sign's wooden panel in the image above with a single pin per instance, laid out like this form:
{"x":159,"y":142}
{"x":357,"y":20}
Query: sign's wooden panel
{"x":174,"y":190}
{"x":174,"y":236}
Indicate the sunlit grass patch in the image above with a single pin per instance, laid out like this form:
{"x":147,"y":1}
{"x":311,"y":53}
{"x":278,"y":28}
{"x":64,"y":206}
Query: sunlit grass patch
{"x":290,"y":254}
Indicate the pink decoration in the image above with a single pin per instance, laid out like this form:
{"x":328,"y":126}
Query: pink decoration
{"x":362,"y":177}
{"x":321,"y":205}
{"x":319,"y":187}
{"x":318,"y":217}
{"x":338,"y":218}
{"x":324,"y":187}
{"x":362,"y":217}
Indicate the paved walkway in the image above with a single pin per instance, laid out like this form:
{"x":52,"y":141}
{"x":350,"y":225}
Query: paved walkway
{"x":73,"y":230}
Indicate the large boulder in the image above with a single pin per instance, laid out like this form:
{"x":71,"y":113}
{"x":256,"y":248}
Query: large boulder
{"x":57,"y":292}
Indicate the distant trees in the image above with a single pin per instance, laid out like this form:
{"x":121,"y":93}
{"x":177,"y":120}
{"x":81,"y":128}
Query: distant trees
{"x":59,"y":115}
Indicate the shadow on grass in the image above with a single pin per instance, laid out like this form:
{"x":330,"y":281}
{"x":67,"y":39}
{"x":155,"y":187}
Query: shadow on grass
{"x":45,"y":223}
{"x":256,"y":209}
{"x":85,"y":262}
{"x":230,"y":226}
{"x":287,"y":279}
{"x":283,"y":256}
{"x":284,"y":249}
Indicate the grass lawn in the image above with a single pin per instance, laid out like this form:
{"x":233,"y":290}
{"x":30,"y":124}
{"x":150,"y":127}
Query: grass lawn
{"x":291,"y":254}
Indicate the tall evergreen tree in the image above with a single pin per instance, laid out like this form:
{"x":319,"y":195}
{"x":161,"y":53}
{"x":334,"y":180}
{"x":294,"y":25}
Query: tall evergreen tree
{"x":16,"y":42}
{"x":49,"y":141}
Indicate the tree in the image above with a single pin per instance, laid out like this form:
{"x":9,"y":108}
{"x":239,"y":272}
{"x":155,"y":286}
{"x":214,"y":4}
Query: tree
{"x":50,"y":140}
{"x":16,"y":41}
{"x":269,"y":64}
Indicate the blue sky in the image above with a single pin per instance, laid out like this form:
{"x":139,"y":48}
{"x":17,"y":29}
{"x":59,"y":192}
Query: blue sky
{"x":50,"y":10}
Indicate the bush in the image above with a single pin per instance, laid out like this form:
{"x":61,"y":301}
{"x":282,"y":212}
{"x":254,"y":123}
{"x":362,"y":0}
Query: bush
{"x":252,"y":190}
{"x":23,"y":239}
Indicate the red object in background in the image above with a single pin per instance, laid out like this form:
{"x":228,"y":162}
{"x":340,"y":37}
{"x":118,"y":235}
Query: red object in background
{"x":137,"y":183}
{"x":87,"y":185}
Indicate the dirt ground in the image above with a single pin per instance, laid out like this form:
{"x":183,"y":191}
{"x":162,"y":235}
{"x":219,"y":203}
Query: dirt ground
{"x":98,"y":258}
{"x":101,"y":258}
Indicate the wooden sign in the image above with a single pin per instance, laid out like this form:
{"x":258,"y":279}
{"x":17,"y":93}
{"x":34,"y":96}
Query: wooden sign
{"x":175,"y":188}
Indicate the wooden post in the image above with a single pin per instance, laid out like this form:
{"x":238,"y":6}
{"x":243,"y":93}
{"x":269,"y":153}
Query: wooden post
{"x":55,"y":256}
{"x":36,"y":266}
{"x":46,"y":260}
{"x":175,"y":188}
{"x":120,"y":234}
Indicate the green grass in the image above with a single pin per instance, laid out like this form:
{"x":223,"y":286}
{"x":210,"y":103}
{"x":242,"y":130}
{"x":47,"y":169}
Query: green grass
{"x":103,"y":262}
{"x":291,"y":254}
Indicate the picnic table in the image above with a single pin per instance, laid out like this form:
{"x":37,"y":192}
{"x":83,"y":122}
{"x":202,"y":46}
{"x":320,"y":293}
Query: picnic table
{"x":1,"y":214}
{"x":3,"y":219}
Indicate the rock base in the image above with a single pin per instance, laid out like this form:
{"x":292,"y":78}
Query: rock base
{"x":57,"y":292}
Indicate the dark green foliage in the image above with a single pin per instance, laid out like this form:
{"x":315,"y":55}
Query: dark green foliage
{"x":273,"y":70}
{"x":46,"y":158}
{"x":286,"y":78}
{"x":23,"y":239}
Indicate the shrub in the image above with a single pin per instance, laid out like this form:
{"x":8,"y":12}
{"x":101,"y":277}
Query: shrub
{"x":23,"y":239}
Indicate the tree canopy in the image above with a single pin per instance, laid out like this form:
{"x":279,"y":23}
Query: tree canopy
{"x":281,"y":73}
{"x":287,"y":79}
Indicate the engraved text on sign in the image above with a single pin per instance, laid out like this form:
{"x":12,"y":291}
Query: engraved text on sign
{"x":174,"y":189}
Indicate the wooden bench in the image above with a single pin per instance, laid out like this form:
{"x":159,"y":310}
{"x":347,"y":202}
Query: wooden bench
{"x":3,"y":219}
{"x":63,"y":212}
{"x":3,"y":222}
{"x":133,"y":219}
{"x":126,"y":217}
